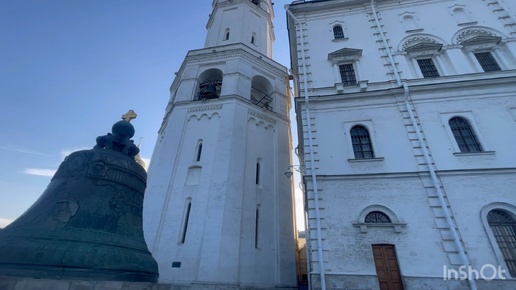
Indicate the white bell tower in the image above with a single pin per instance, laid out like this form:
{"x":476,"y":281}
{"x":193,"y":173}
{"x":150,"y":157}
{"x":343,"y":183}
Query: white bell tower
{"x":251,"y":24}
{"x":218,"y":209}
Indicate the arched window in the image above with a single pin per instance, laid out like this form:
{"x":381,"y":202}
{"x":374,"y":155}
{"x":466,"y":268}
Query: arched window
{"x":261,"y":92}
{"x":464,"y":135}
{"x":377,"y":217}
{"x":503,"y":226}
{"x":199,"y":151}
{"x":210,"y":85}
{"x":226,"y":34}
{"x":338,"y":33}
{"x":361,"y":141}
{"x":253,"y":38}
{"x":185,"y":222}
{"x":258,"y":172}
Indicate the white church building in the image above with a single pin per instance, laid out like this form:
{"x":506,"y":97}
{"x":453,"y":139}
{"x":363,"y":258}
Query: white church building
{"x":218,"y":209}
{"x":406,"y":116}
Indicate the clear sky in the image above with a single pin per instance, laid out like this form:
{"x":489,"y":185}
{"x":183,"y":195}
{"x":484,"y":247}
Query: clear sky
{"x":70,"y":69}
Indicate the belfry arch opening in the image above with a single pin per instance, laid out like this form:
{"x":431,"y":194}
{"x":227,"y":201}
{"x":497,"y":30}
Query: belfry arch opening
{"x":210,"y":85}
{"x":261,"y":93}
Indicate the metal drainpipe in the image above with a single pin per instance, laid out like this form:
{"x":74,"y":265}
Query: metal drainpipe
{"x":311,"y":151}
{"x":429,"y":163}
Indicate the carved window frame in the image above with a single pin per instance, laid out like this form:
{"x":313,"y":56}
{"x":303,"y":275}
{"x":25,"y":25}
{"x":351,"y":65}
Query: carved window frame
{"x":421,"y":47}
{"x":481,"y":39}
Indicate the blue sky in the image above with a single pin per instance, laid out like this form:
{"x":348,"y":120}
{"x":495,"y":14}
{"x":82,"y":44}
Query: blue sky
{"x":70,"y":69}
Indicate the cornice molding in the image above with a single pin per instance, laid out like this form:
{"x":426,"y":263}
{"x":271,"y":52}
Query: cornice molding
{"x":258,"y":60}
{"x":206,"y":108}
{"x":261,"y":117}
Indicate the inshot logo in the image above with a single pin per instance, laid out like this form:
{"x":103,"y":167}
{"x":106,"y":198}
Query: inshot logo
{"x":487,"y":272}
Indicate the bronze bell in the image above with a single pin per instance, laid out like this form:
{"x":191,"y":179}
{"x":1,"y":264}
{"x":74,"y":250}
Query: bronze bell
{"x":209,"y":91}
{"x":87,"y":225}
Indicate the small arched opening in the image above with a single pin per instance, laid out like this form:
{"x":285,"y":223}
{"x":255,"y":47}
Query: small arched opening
{"x":210,"y":85}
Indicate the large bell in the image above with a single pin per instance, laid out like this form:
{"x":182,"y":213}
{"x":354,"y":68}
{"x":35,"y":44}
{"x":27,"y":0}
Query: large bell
{"x":87,"y":224}
{"x":210,"y":92}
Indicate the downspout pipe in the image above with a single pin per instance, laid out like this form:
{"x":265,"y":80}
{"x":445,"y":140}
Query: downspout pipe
{"x":311,"y":152}
{"x":426,"y":154}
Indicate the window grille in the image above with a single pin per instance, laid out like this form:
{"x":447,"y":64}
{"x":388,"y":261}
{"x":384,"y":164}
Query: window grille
{"x":347,"y":74}
{"x":428,"y":68}
{"x":337,"y":32}
{"x":504,"y":229}
{"x":361,"y":141}
{"x":376,"y":217}
{"x":464,"y":135}
{"x":487,"y":61}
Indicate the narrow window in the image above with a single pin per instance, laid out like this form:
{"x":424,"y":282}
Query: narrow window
{"x":464,"y":135}
{"x":347,"y":74}
{"x":258,"y":172}
{"x":226,"y":34}
{"x":185,"y":225}
{"x":199,"y":152}
{"x":361,"y":141}
{"x":377,"y":217}
{"x":427,"y":67}
{"x":337,"y":32}
{"x":256,"y":227}
{"x":487,"y":61}
{"x":504,"y":229}
{"x":252,"y":39}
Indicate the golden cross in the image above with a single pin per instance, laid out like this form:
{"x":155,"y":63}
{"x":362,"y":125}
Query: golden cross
{"x":129,"y":116}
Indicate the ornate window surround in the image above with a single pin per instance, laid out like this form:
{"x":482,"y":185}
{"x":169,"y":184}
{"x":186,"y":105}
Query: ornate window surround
{"x":395,"y":223}
{"x":346,"y":56}
{"x":481,"y":39}
{"x":423,"y":46}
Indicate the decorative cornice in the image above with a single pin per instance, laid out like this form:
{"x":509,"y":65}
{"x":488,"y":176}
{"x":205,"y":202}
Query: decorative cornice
{"x":477,"y":35}
{"x":262,"y":117}
{"x":345,"y":54}
{"x":418,"y":43}
{"x":258,"y":60}
{"x":203,"y":109}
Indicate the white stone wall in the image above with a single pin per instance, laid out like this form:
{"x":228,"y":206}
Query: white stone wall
{"x":228,"y":15}
{"x":397,"y":180}
{"x":219,"y":248}
{"x":433,"y":17}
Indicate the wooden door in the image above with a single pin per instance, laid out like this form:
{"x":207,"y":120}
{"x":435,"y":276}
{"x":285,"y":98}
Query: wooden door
{"x":387,"y":267}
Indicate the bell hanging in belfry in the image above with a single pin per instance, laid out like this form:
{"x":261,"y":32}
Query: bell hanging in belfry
{"x":208,"y":91}
{"x":87,"y":225}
